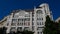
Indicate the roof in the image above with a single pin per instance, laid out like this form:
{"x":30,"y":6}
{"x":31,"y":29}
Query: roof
{"x":57,"y":20}
{"x":27,"y":10}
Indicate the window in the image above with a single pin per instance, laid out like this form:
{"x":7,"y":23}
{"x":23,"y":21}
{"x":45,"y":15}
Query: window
{"x":38,"y":28}
{"x":12,"y":29}
{"x":33,"y":28}
{"x":14,"y":21}
{"x":20,"y":24}
{"x":32,"y":23}
{"x":39,"y":18}
{"x":42,"y":23}
{"x":27,"y":23}
{"x":42,"y":18}
{"x":39,"y":11}
{"x":39,"y":23}
{"x":39,"y":32}
{"x":19,"y":28}
{"x":13,"y":24}
{"x":19,"y":19}
{"x":32,"y":19}
{"x":27,"y":19}
{"x":26,"y":28}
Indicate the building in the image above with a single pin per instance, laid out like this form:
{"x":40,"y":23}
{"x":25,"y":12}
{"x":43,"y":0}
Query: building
{"x":3,"y":22}
{"x":32,"y":20}
{"x":57,"y":20}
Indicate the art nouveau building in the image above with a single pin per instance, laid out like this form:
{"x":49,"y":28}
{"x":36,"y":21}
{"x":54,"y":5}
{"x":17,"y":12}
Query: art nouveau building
{"x":32,"y":20}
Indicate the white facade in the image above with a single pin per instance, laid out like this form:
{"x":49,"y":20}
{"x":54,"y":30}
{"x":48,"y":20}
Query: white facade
{"x":33,"y":20}
{"x":57,"y":20}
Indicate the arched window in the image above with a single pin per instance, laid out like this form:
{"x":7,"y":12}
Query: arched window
{"x":39,"y":12}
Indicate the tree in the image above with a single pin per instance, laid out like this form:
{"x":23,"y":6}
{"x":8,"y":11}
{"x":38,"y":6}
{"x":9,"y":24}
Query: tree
{"x":27,"y":32}
{"x":58,"y":32}
{"x":3,"y":30}
{"x":50,"y":26}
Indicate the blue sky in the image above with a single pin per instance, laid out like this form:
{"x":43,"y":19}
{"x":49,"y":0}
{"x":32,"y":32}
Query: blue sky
{"x":6,"y":6}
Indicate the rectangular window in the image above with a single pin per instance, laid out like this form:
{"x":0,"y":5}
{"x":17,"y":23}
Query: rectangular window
{"x":32,"y":23}
{"x":13,"y":24}
{"x":39,"y":23}
{"x":27,"y":19}
{"x":20,"y":24}
{"x":27,"y":23}
{"x":19,"y":28}
{"x":42,"y":18}
{"x":32,"y":19}
{"x":14,"y":21}
{"x":38,"y":28}
{"x":39,"y":18}
{"x":26,"y":28}
{"x":13,"y":29}
{"x":33,"y":28}
{"x":39,"y":32}
{"x":42,"y":23}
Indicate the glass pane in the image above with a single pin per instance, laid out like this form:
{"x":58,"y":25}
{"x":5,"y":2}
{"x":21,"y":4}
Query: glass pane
{"x":12,"y":29}
{"x":19,"y":28}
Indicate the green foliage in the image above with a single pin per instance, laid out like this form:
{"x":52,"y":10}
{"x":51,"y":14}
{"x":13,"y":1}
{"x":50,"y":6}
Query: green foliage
{"x":50,"y":26}
{"x":58,"y":31}
{"x":3,"y":30}
{"x":27,"y":32}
